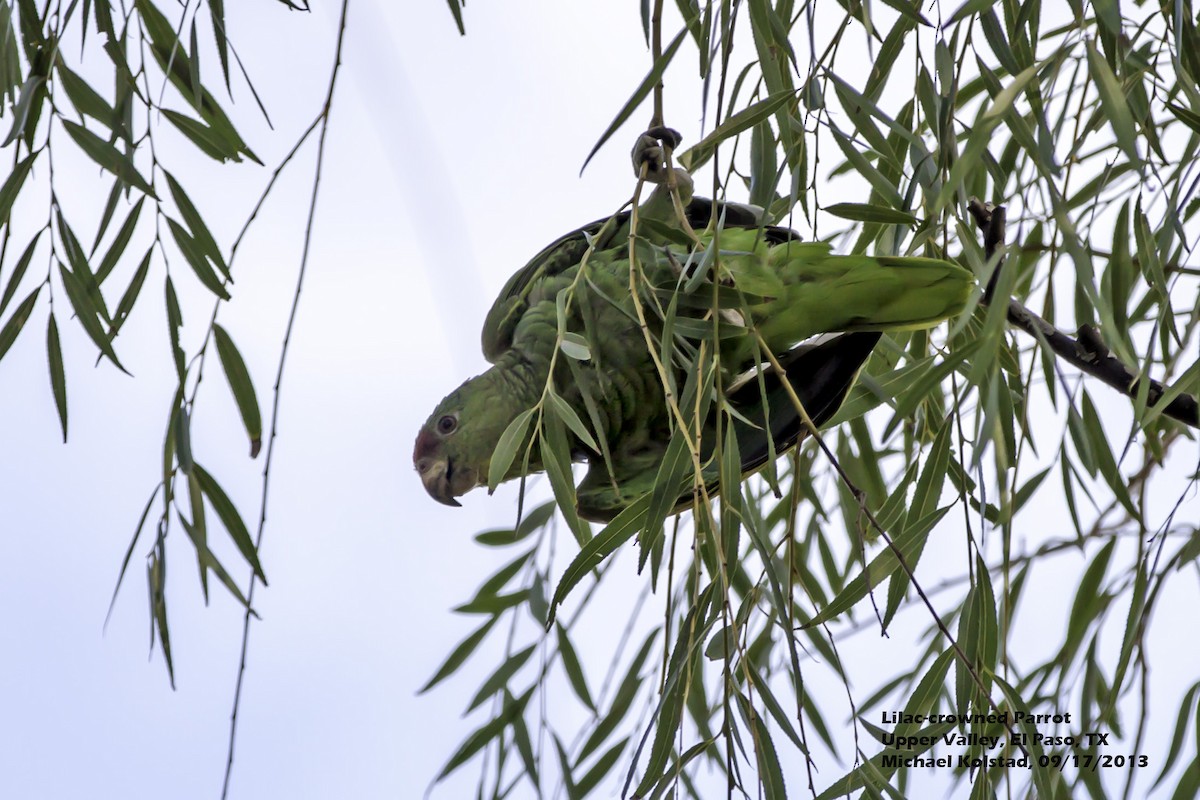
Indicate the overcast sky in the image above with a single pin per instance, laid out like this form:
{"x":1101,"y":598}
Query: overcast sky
{"x":450,"y":162}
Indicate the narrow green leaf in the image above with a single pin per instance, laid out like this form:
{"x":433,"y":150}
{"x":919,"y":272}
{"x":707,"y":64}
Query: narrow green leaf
{"x":653,"y":77}
{"x":769,"y":770}
{"x":456,"y":12}
{"x":129,"y":552}
{"x":58,"y":380}
{"x":698,"y":154}
{"x":485,"y":734}
{"x":107,"y":156}
{"x":556,"y":457}
{"x":119,"y":243}
{"x":1181,"y":729}
{"x":458,"y":656}
{"x":525,"y":746}
{"x":506,"y":448}
{"x":1189,"y":118}
{"x":207,"y":139}
{"x":199,"y":230}
{"x":883,"y":565}
{"x":622,"y":701}
{"x":216,"y":10}
{"x":14,"y":280}
{"x":967,"y":9}
{"x":231,"y":519}
{"x":8,"y":334}
{"x":1112,"y":100}
{"x":197,"y":530}
{"x":196,"y":259}
{"x":573,"y":668}
{"x":31,"y":98}
{"x":83,"y":96}
{"x":1105,"y":459}
{"x":155,"y":577}
{"x":12,"y":186}
{"x":864,"y":212}
{"x":500,"y":677}
{"x":600,"y":547}
{"x":241,"y":385}
{"x":131,"y":292}
{"x":568,"y":415}
{"x":599,"y":771}
{"x":494,"y":604}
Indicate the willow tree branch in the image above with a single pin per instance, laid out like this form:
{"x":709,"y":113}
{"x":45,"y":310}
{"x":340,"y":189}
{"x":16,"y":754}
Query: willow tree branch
{"x":1086,"y":350}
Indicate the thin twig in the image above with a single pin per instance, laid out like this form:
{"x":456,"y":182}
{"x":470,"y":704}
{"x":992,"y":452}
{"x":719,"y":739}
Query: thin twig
{"x":262,"y":518}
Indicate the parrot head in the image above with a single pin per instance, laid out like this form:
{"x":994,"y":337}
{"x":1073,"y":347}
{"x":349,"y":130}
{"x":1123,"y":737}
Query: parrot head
{"x":455,"y":445}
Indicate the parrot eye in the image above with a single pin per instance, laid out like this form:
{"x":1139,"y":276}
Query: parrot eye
{"x":447,"y":424}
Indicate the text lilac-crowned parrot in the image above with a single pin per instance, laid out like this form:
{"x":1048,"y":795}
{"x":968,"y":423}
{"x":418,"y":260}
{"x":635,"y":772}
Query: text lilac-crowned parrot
{"x":771,"y":288}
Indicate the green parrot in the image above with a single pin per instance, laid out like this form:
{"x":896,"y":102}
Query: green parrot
{"x":770,"y":289}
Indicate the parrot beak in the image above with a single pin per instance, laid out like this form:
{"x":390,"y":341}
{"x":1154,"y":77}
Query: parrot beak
{"x":435,"y":474}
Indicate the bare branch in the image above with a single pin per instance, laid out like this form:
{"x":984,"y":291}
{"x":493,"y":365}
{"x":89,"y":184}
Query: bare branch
{"x":1086,"y":351}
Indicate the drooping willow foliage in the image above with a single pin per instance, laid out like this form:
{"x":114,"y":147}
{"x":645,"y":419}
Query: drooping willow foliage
{"x":874,"y":125}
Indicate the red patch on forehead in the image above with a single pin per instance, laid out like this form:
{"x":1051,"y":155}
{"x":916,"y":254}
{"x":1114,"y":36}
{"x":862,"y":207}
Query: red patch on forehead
{"x":426,"y":444}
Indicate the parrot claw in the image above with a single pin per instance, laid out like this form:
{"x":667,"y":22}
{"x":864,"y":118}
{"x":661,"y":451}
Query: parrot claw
{"x":649,"y":150}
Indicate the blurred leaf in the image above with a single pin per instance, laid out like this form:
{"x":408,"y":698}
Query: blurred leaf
{"x":485,"y":734}
{"x":556,"y":457}
{"x":499,"y":679}
{"x":622,"y":700}
{"x":573,"y":668}
{"x":493,"y":604}
{"x":501,"y":578}
{"x":599,"y":771}
{"x":864,"y":212}
{"x":458,"y":656}
{"x":1112,"y":100}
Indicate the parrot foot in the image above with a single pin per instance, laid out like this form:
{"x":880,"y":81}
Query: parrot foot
{"x":649,"y":150}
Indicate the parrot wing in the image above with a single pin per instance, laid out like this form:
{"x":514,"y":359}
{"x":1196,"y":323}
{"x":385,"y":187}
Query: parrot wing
{"x":567,"y":251}
{"x":821,"y":376}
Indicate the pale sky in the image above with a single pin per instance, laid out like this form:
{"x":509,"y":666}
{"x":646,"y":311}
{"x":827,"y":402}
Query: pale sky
{"x":450,"y":162}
